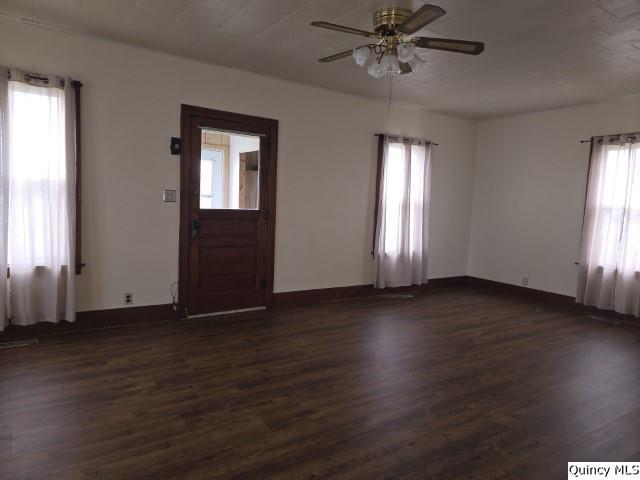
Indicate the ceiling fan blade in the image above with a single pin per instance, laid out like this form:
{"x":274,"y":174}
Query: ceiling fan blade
{"x":337,"y":56}
{"x":459,"y":46}
{"x":421,"y":18}
{"x":342,"y":28}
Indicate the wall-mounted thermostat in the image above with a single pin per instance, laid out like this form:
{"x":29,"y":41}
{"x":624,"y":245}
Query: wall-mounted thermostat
{"x":169,"y":196}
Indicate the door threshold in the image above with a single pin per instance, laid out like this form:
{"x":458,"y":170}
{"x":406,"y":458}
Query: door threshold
{"x":225,"y":312}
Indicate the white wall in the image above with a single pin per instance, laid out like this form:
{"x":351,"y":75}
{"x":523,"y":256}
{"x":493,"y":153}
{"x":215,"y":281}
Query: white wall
{"x":529,"y":189}
{"x":326,"y":166}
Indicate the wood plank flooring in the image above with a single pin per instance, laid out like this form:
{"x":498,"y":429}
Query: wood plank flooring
{"x":453,"y":384}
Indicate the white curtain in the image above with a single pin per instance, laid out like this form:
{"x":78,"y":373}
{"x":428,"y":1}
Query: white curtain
{"x":40,"y":174}
{"x":609,"y":271}
{"x":402,"y":230}
{"x":4,"y":195}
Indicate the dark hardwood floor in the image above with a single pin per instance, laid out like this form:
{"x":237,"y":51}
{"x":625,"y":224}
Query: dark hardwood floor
{"x":454,"y":384}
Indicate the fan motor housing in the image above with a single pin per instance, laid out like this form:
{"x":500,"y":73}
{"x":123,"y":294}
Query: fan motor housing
{"x":386,"y":20}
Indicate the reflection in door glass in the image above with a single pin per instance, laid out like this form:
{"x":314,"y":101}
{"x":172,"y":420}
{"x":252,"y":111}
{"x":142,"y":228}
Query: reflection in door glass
{"x":229,"y":171}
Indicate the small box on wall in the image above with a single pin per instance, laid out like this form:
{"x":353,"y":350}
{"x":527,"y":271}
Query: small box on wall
{"x":169,"y":195}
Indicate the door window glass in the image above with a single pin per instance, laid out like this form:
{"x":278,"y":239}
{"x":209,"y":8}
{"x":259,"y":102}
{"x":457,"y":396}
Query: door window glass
{"x":229,"y":171}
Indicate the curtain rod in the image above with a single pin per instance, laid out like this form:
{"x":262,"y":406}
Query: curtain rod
{"x":427,"y":141}
{"x":74,"y":83}
{"x":629,"y":135}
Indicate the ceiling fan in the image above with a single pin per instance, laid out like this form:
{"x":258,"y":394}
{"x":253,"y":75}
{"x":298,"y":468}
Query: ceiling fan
{"x":392,"y":52}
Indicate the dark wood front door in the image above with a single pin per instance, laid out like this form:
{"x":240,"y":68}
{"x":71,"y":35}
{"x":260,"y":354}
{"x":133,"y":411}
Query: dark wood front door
{"x":228,"y":180}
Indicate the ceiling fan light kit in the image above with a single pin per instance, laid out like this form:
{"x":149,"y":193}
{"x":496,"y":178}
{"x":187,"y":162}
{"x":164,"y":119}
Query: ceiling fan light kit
{"x":390,"y":64}
{"x":393,"y":52}
{"x":417,"y":64}
{"x":361,"y":55}
{"x":406,"y":51}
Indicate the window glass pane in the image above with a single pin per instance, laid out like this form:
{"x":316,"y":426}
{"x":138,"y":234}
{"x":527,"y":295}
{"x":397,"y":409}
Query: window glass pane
{"x":205,"y":202}
{"x":206,"y":176}
{"x":618,"y":220}
{"x":615,"y":177}
{"x":38,"y":208}
{"x":394,"y":192}
{"x":229,"y":170}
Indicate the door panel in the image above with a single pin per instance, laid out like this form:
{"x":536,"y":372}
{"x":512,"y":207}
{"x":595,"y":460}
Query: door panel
{"x":229,"y":220}
{"x":226,"y":268}
{"x":227,"y":282}
{"x":211,"y":257}
{"x":228,"y":241}
{"x":220,"y":228}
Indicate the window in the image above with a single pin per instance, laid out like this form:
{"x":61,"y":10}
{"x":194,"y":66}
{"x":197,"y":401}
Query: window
{"x":619,"y":205}
{"x":229,"y":170}
{"x":38,"y":171}
{"x":39,"y":204}
{"x":402,"y":211}
{"x":211,"y":175}
{"x":609,"y":274}
{"x":394,"y":188}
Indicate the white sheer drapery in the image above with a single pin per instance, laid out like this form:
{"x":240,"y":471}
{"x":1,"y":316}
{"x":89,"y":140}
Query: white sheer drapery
{"x":402,"y":230}
{"x":609,"y":267}
{"x":40,"y":175}
{"x":4,"y":195}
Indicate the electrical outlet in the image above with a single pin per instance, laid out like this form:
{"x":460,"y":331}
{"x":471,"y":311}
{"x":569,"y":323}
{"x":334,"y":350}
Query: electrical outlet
{"x":128,"y":298}
{"x":525,"y":281}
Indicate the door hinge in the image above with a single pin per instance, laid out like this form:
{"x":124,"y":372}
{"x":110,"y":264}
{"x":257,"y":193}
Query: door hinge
{"x":266,"y":214}
{"x":263,"y":282}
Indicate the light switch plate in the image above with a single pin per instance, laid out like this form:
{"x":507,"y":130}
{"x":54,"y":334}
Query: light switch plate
{"x":169,"y":196}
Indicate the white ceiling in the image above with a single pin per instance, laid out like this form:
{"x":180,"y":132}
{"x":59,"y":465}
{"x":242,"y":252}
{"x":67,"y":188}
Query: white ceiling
{"x":539,"y":53}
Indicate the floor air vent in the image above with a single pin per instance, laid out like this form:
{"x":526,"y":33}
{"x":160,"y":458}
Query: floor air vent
{"x":18,"y":343}
{"x":402,"y":295}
